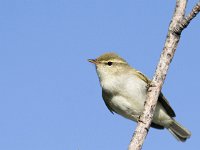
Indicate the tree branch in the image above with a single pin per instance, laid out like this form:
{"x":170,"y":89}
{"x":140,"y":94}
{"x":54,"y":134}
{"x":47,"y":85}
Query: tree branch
{"x":177,"y":24}
{"x":186,"y":20}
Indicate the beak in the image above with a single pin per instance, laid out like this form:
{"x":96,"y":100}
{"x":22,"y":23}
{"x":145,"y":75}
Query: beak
{"x":92,"y":61}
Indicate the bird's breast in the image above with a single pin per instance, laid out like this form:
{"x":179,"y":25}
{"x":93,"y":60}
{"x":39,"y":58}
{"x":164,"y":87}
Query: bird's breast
{"x":127,"y":96}
{"x":127,"y":86}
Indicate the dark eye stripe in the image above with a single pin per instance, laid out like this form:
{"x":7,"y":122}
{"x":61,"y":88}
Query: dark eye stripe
{"x":110,"y":63}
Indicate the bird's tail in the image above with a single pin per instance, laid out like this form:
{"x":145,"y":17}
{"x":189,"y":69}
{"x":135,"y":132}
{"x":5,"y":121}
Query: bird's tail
{"x":179,"y":132}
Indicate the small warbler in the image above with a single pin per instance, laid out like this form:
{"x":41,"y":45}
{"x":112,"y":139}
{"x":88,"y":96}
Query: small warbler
{"x":124,"y":91}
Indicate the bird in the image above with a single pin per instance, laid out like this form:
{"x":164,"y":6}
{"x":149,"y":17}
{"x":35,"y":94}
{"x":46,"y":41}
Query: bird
{"x":124,"y":91}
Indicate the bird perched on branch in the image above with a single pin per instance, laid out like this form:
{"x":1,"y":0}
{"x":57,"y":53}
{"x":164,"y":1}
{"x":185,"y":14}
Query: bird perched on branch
{"x":124,"y":91}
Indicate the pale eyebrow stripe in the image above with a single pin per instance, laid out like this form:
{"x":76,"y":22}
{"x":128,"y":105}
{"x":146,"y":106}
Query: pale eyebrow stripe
{"x":114,"y":61}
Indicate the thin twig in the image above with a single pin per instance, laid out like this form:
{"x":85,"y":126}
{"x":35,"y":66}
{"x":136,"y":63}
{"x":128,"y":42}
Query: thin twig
{"x":158,"y":79}
{"x":186,"y":20}
{"x":177,"y":25}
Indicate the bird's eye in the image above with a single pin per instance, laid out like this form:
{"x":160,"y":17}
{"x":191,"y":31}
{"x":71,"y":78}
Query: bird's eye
{"x":110,"y":63}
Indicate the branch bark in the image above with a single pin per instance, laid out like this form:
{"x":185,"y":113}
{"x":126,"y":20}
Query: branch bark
{"x":177,"y":24}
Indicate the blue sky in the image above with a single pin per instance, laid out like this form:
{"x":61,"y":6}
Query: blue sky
{"x":50,"y":98}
